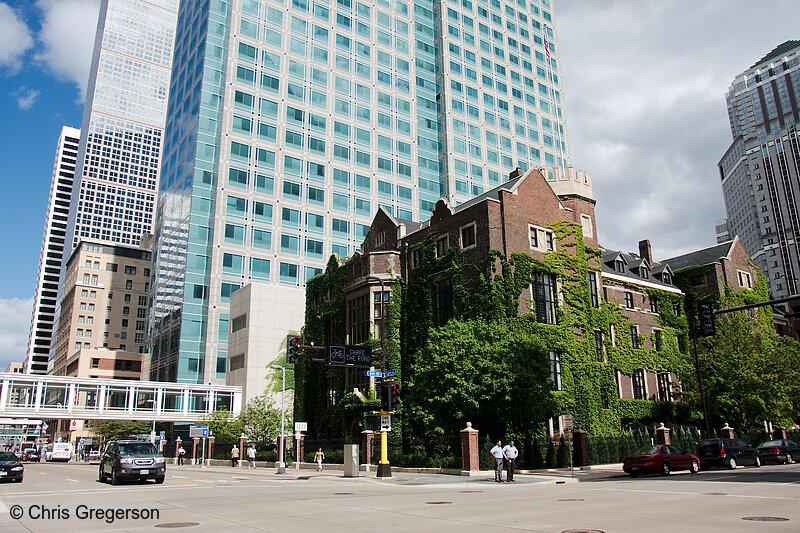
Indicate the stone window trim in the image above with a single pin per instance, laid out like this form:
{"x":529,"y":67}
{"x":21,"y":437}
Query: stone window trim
{"x":540,"y":239}
{"x":461,"y":234}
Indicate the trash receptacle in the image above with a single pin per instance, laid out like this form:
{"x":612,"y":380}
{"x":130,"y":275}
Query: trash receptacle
{"x":351,"y":460}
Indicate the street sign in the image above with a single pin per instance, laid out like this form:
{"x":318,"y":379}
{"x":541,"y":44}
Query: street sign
{"x":301,"y":426}
{"x":390,"y":373}
{"x":298,"y":434}
{"x":349,"y":355}
{"x":386,"y":422}
{"x":373,"y":373}
{"x":162,"y":435}
{"x":198,"y":431}
{"x":566,"y":421}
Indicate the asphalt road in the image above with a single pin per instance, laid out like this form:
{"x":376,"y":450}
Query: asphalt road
{"x":60,"y":497}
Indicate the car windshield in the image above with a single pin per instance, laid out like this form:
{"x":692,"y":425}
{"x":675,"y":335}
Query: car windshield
{"x":646,"y":450}
{"x":137,"y":449}
{"x":7,"y":456}
{"x":772,"y":443}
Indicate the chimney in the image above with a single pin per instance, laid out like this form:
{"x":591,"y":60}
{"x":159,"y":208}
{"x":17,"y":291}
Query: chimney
{"x":517,"y":172}
{"x":645,"y":252}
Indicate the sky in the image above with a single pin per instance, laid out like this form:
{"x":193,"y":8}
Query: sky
{"x":644,"y":88}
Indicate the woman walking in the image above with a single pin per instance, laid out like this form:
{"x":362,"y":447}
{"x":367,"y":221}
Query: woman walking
{"x":318,"y":457}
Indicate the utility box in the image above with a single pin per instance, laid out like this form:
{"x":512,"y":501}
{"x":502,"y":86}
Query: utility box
{"x":351,"y":460}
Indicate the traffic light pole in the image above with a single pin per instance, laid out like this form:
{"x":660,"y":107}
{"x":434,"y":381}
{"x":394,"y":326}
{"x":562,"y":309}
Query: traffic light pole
{"x":384,"y":469}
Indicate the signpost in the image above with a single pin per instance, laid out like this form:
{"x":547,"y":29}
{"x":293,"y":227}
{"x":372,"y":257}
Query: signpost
{"x":373,"y":373}
{"x":386,"y":422}
{"x":348,"y":355}
{"x":567,"y":425}
{"x":201,"y":432}
{"x":390,"y":373}
{"x":299,"y":428}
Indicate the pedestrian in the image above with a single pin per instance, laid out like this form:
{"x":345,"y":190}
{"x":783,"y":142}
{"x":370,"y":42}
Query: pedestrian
{"x":510,"y":452}
{"x":234,"y":455}
{"x":181,"y":453}
{"x":497,"y":453}
{"x":318,"y":457}
{"x":251,"y":456}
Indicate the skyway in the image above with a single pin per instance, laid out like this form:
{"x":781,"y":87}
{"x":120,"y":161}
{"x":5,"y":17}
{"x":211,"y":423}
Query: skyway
{"x":61,"y":397}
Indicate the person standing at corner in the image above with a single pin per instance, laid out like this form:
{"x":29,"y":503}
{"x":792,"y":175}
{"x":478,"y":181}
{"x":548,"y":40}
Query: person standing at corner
{"x":497,"y":453}
{"x":234,"y":455}
{"x":510,"y":452}
{"x":318,"y":457}
{"x":181,"y":453}
{"x":251,"y":456}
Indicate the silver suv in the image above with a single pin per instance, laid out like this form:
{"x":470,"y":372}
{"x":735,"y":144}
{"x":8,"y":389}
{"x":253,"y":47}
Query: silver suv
{"x":131,"y":459}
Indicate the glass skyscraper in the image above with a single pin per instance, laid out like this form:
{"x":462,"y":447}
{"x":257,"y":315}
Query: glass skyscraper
{"x":289,"y":124}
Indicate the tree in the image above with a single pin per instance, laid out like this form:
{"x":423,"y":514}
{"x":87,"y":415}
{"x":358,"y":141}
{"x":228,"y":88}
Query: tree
{"x":119,"y":429}
{"x":261,"y":420}
{"x":223,"y":426}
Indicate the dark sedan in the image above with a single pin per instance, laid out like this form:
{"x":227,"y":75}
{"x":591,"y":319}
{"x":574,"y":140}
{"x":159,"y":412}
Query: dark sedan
{"x":32,"y":455}
{"x":660,"y":458}
{"x":779,"y":451}
{"x":11,"y":467}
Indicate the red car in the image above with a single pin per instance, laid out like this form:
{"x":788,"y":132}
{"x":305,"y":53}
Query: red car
{"x":661,"y":458}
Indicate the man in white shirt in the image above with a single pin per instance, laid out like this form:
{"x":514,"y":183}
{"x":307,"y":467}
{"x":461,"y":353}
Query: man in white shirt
{"x":497,"y":453}
{"x":510,"y":452}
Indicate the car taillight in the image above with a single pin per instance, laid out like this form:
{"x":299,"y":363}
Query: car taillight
{"x":722,"y":451}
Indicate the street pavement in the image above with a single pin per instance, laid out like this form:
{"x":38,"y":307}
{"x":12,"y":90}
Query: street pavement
{"x":60,"y":497}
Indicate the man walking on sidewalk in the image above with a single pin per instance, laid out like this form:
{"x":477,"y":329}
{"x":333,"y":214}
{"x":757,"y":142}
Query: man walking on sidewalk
{"x":234,"y":455}
{"x":510,"y":452}
{"x":497,"y":453}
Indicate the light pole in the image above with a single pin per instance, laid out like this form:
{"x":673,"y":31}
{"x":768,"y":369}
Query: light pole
{"x":384,"y":469}
{"x":155,"y":412}
{"x":281,"y":464}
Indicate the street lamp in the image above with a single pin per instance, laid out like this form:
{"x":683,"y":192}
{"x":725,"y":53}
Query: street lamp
{"x":155,"y":412}
{"x":384,"y":469}
{"x":281,"y":464}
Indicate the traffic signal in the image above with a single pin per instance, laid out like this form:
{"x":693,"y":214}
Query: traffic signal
{"x":292,"y":349}
{"x":705,"y":316}
{"x":386,"y":397}
{"x":394,"y":396}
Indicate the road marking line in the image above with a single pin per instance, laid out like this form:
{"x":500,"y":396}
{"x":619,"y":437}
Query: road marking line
{"x":43,"y":473}
{"x":73,"y":480}
{"x":75,"y":468}
{"x":183,"y":482}
{"x":3,"y":508}
{"x":182,"y":477}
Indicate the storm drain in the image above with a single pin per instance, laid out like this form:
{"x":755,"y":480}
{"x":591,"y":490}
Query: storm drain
{"x":437,"y":503}
{"x":171,"y":525}
{"x":303,"y":478}
{"x":765,"y":518}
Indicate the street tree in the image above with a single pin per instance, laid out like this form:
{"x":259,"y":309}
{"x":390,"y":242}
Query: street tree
{"x":119,"y":429}
{"x":261,"y":420}
{"x":224,"y":426}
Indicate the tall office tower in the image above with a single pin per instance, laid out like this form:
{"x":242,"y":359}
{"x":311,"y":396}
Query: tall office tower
{"x":760,"y":171}
{"x":55,"y":230}
{"x":289,"y":124}
{"x":116,"y":183}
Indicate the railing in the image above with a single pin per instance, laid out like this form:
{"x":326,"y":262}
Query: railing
{"x":62,"y":397}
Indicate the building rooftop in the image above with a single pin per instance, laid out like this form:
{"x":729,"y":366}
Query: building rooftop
{"x":778,"y":51}
{"x":633,"y":264}
{"x":700,"y":257}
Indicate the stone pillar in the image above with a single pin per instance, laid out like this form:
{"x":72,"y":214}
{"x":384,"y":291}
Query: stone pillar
{"x":779,"y":433}
{"x":195,"y":443}
{"x":177,"y":447}
{"x":242,"y":450}
{"x":367,"y":447}
{"x":301,"y":446}
{"x":580,"y":447}
{"x":210,"y":450}
{"x":662,"y":434}
{"x":727,"y":432}
{"x":470,"y":449}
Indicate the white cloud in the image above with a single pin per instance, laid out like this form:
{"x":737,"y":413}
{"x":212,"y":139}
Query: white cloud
{"x":67,"y":38}
{"x":15,"y":323}
{"x":15,"y":38}
{"x":26,"y":97}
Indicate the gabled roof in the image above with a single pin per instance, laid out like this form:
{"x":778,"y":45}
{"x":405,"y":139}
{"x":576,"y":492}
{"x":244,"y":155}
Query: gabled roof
{"x":701,"y":257}
{"x":410,"y":225}
{"x":609,"y":256}
{"x":632,"y":272}
{"x":510,"y":186}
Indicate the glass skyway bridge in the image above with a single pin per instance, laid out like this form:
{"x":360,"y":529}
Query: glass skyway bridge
{"x":61,"y":397}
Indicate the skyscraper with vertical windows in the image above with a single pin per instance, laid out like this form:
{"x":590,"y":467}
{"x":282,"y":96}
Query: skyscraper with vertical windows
{"x":760,"y":171}
{"x":119,"y":159}
{"x":55,"y":230}
{"x":290,"y":123}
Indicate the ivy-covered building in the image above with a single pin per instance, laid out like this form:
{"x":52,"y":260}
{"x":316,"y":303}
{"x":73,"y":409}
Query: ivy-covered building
{"x":522,"y":261}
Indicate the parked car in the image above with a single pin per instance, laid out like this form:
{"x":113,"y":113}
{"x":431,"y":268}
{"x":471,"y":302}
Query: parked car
{"x":94,"y":455}
{"x":779,"y":451}
{"x":32,"y":455}
{"x":661,"y":458}
{"x":726,"y":452}
{"x":11,"y":467}
{"x":131,"y":459}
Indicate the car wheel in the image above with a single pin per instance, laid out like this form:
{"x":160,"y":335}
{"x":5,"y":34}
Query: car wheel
{"x":789,"y":458}
{"x":18,"y":480}
{"x":160,"y":480}
{"x":757,"y":462}
{"x":100,"y":477}
{"x":694,"y":467}
{"x":634,"y":474}
{"x":114,"y":478}
{"x":665,"y":469}
{"x":731,"y":463}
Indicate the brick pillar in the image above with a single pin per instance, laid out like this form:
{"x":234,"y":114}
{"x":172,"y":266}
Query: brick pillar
{"x":469,"y":449}
{"x":210,"y":450}
{"x":302,"y":447}
{"x":726,"y":432}
{"x":195,"y":443}
{"x":367,"y":447}
{"x":242,"y":444}
{"x":662,"y":434}
{"x":580,"y":447}
{"x":177,"y":447}
{"x":779,"y":433}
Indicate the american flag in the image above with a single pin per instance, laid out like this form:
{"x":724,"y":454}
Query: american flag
{"x":546,"y":47}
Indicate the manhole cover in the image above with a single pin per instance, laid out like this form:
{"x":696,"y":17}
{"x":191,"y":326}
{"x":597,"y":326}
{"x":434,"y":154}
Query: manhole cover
{"x":570,"y":500}
{"x":560,"y":482}
{"x":437,"y":503}
{"x":469,"y":491}
{"x":171,"y":525}
{"x":716,"y":493}
{"x":765,"y":518}
{"x":343,"y":493}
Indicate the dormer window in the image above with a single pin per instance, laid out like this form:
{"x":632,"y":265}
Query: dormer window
{"x":644,"y":272}
{"x":619,"y":266}
{"x":666,"y":278}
